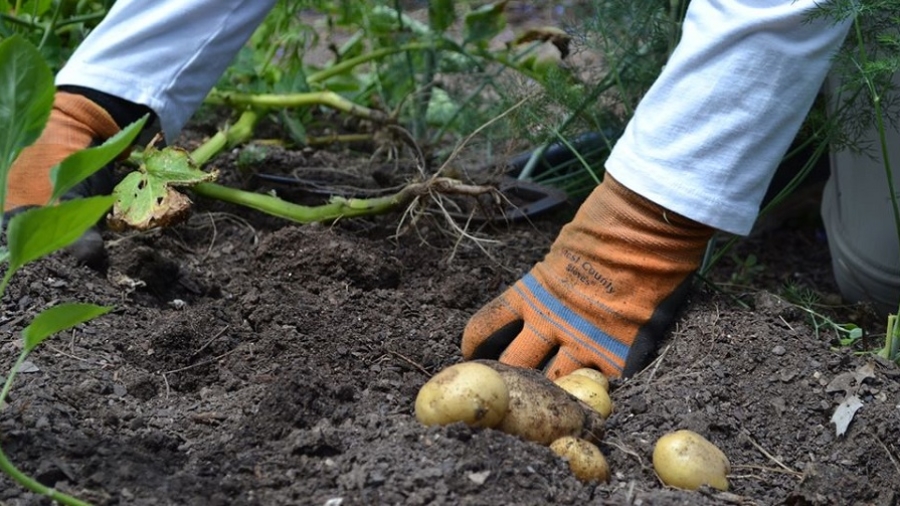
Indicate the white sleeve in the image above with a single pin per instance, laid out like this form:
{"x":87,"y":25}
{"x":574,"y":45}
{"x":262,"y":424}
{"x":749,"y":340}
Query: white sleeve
{"x":165,"y":54}
{"x":707,"y":137}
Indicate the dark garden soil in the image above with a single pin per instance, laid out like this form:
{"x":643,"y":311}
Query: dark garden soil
{"x":251,"y":361}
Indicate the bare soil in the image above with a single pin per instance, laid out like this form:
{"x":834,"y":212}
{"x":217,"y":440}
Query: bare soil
{"x":252,"y":361}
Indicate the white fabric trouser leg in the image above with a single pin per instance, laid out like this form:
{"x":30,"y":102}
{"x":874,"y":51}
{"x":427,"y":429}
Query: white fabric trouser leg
{"x":706,"y":139}
{"x":165,"y":54}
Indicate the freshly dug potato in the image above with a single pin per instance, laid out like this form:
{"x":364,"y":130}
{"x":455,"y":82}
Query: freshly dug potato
{"x":585,"y":460}
{"x":540,"y":411}
{"x":587,"y":391}
{"x":594,"y":374}
{"x":687,"y":460}
{"x":472,"y":393}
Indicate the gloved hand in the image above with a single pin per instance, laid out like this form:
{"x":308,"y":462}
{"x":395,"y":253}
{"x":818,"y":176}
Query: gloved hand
{"x":604,"y":295}
{"x":75,"y":123}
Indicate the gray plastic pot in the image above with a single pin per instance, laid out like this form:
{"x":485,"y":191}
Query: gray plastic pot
{"x":859,"y":221}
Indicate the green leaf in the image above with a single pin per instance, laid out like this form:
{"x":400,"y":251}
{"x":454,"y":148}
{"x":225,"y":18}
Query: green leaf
{"x":146,"y":199}
{"x":40,"y":231}
{"x":484,"y":23}
{"x":34,"y":8}
{"x":441,"y":14}
{"x":441,"y":108}
{"x":79,"y":165}
{"x":59,"y":318}
{"x":26,"y":97}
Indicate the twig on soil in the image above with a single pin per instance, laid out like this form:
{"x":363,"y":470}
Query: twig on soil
{"x":727,"y":497}
{"x":627,"y":451}
{"x":212,"y":241}
{"x":764,"y":468}
{"x":192,"y":366}
{"x":656,"y":364}
{"x":786,"y":324}
{"x":770,"y":456}
{"x":166,"y":382}
{"x":209,"y":342}
{"x":200,"y":364}
{"x":410,"y":362}
{"x":66,"y":354}
{"x":888,"y":451}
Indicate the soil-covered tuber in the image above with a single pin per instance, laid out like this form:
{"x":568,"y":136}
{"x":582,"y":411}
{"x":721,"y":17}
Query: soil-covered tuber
{"x":540,"y":411}
{"x":468,"y":392}
{"x":585,"y":460}
{"x":687,"y":460}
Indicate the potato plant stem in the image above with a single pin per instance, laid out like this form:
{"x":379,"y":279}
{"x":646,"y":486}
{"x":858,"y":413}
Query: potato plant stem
{"x":349,"y":63}
{"x":290,"y":100}
{"x":240,"y":131}
{"x":337,"y":208}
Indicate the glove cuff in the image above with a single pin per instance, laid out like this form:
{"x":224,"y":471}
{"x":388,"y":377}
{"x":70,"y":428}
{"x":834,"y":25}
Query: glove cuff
{"x":81,"y":112}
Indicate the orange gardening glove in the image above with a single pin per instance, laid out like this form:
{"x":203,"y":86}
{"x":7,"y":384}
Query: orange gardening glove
{"x":75,"y":124}
{"x":604,"y":295}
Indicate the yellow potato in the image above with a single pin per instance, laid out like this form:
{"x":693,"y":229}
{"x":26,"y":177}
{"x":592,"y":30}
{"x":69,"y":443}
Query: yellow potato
{"x":587,"y":391}
{"x":540,"y":411}
{"x":585,"y":460}
{"x":685,"y":459}
{"x":469,"y":392}
{"x":594,"y":374}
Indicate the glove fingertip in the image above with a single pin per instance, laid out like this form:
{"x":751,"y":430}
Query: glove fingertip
{"x":492,"y":346}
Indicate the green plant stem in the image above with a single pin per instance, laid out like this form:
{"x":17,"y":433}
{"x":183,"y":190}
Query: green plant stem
{"x":12,"y":471}
{"x":350,"y":63}
{"x":21,"y":22}
{"x":35,"y":486}
{"x":51,"y":26}
{"x":879,"y":123}
{"x":607,"y":83}
{"x":290,"y":100}
{"x":338,"y":207}
{"x":240,"y":131}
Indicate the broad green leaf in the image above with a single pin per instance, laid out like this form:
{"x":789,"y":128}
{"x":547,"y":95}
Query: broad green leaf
{"x":387,"y":21}
{"x":82,"y":164}
{"x":40,"y":231}
{"x":26,"y":97}
{"x":485,"y":23}
{"x":59,"y":318}
{"x":146,"y":199}
{"x":441,"y":14}
{"x":441,"y":108}
{"x":34,"y":8}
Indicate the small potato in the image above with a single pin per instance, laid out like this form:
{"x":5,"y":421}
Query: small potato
{"x":687,"y":460}
{"x":587,"y":391}
{"x":468,"y":392}
{"x":540,"y":411}
{"x":585,"y":460}
{"x":594,"y":374}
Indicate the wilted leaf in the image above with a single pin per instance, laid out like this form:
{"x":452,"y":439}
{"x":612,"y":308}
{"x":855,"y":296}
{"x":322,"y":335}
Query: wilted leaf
{"x":849,"y":382}
{"x":550,"y":34}
{"x":28,"y":367}
{"x":844,"y":414}
{"x":147,"y":198}
{"x":478,"y":478}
